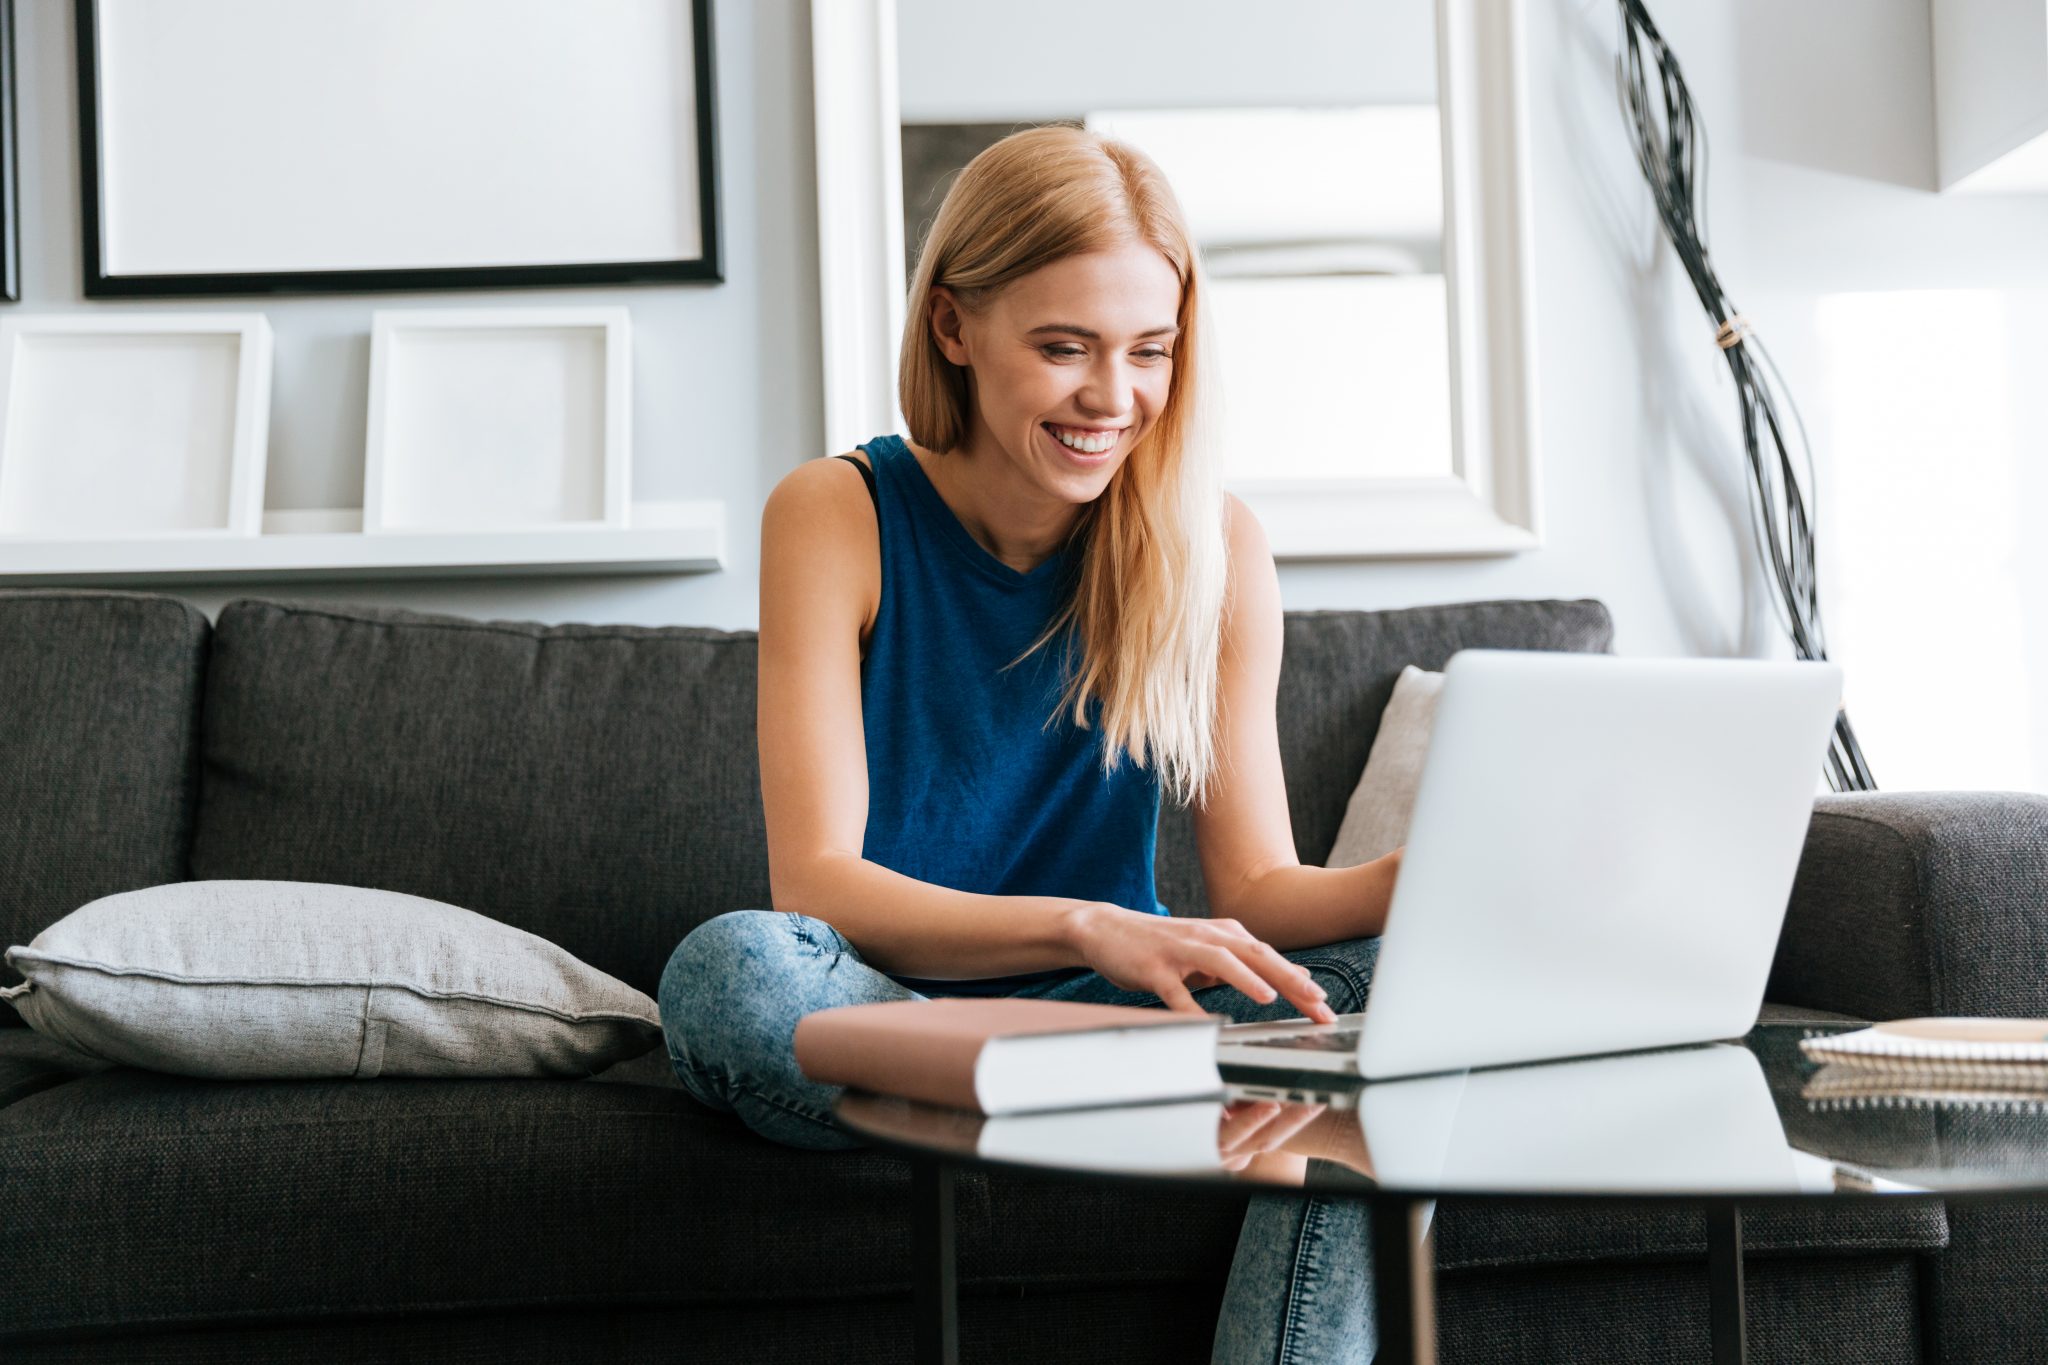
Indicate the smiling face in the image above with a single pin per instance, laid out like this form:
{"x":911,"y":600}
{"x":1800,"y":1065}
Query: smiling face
{"x":1070,"y":366}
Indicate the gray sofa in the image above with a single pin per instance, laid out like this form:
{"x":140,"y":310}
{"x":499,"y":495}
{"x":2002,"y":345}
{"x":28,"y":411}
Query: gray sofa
{"x":597,"y":785}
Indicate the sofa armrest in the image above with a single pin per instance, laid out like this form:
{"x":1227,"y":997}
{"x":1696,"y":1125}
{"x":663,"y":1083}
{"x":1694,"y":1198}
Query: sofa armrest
{"x":1919,"y":903}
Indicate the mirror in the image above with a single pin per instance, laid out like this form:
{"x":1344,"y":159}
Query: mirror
{"x":1353,"y":175}
{"x":1313,"y":184}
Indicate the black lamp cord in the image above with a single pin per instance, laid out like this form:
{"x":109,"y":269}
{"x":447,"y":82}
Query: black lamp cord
{"x":1779,"y":518}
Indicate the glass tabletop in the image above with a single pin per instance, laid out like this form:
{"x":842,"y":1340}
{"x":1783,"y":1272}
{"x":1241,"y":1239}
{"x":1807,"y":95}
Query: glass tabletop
{"x":1752,"y":1118}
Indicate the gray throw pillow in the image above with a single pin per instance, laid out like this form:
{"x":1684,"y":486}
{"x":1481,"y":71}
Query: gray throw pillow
{"x":298,"y":980}
{"x":1382,"y":805}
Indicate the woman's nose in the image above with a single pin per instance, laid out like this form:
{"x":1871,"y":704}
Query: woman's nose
{"x":1109,"y":389}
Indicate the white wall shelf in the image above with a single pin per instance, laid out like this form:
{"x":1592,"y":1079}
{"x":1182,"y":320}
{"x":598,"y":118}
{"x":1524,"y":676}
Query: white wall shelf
{"x":1990,"y":95}
{"x":662,"y":537}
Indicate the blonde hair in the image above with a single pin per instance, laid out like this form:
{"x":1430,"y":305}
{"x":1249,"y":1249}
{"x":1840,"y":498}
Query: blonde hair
{"x":1147,"y":606}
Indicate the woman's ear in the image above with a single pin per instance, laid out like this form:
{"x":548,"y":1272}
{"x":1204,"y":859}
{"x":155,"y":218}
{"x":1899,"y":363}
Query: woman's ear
{"x":948,"y":325}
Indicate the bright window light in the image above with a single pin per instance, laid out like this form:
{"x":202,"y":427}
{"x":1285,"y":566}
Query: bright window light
{"x":1280,"y":175}
{"x":1322,"y":233}
{"x":1936,"y":468}
{"x":1335,"y":377}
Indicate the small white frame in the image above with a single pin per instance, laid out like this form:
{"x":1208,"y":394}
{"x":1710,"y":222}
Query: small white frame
{"x":1487,"y":505}
{"x":498,"y":420}
{"x":133,"y":426}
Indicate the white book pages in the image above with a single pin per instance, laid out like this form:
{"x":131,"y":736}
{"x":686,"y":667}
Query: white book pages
{"x":1020,"y":1073}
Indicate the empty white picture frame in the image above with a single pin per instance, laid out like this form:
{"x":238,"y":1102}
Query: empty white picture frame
{"x":454,"y":144}
{"x":115,"y":426}
{"x":516,"y":419}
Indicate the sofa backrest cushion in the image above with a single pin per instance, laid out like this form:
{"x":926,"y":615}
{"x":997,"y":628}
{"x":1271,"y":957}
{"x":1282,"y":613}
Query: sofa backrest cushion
{"x":99,"y":709}
{"x":599,"y":785}
{"x":1337,"y":672}
{"x":596,"y":785}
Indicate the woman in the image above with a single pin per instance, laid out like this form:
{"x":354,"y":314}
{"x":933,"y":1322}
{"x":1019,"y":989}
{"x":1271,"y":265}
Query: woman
{"x":988,"y":652}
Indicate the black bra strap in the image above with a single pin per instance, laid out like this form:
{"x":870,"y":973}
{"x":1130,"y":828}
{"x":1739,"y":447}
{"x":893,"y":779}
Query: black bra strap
{"x":868,"y":475}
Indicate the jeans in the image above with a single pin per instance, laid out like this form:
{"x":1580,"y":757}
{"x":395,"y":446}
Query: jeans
{"x":1300,"y":1286}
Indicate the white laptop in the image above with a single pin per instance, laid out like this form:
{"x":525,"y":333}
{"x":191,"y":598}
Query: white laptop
{"x":1599,"y":860}
{"x":1692,"y":1119}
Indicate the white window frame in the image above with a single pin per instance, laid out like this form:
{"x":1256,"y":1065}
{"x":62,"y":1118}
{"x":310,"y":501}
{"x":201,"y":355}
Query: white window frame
{"x":1487,"y":505}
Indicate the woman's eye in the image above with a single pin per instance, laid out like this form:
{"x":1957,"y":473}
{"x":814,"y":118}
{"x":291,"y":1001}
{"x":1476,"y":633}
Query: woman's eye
{"x":1064,"y":351}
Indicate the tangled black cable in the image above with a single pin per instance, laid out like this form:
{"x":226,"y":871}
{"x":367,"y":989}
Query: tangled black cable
{"x":1778,"y":511}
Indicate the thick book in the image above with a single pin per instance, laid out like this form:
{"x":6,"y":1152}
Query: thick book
{"x":2010,"y":1053}
{"x":1012,"y":1055}
{"x":1178,"y":1137}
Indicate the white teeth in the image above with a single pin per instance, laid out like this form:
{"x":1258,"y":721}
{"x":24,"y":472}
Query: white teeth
{"x":1087,"y":445}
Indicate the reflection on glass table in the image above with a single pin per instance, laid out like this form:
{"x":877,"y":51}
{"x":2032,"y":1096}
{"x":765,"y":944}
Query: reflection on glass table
{"x":1691,"y":1120}
{"x":1724,"y":1125}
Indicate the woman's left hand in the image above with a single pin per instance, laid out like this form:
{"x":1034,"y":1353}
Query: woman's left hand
{"x":1252,"y":1127}
{"x":1388,"y":870}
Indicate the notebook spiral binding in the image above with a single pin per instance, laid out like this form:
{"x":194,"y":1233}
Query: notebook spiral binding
{"x":1978,"y":1100}
{"x":1875,"y":1052}
{"x":1879,"y":1074}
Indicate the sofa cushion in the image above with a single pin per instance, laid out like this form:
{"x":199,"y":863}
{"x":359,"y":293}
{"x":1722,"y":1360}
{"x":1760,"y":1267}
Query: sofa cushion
{"x":1382,"y":805}
{"x":298,"y":980}
{"x":1337,"y":672}
{"x":332,"y":1198}
{"x":1473,"y":1233}
{"x":30,"y":1062}
{"x":1125,"y":1324}
{"x":99,"y":728}
{"x":1841,"y":1310}
{"x":314,"y":1198}
{"x":1920,"y":903}
{"x":599,"y":785}
{"x":595,"y":785}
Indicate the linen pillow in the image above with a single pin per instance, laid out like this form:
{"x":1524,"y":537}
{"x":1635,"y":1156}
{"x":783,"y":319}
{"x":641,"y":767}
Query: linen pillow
{"x":298,"y":980}
{"x":1376,"y":820}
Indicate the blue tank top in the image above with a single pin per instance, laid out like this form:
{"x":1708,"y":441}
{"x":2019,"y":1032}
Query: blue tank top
{"x":967,"y":786}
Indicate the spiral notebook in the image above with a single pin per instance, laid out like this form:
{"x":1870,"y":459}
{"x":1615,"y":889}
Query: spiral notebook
{"x":2007,"y":1055}
{"x":1835,"y":1086}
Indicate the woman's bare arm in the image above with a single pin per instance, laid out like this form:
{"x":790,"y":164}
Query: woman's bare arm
{"x":820,"y":580}
{"x":1247,"y":843}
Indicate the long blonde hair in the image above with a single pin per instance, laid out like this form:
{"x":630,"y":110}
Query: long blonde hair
{"x":1147,"y":607}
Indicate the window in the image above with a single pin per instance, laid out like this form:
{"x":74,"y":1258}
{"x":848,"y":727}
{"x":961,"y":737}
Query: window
{"x":1931,"y":453}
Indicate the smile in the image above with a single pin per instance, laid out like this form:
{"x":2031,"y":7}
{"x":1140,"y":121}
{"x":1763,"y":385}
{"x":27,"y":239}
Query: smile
{"x":1081,"y":441}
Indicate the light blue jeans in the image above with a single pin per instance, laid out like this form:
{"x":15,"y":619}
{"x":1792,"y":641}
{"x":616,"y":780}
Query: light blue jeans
{"x":1300,"y":1287}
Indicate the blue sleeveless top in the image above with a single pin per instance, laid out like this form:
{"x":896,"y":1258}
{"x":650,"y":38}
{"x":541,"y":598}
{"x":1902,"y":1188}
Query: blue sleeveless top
{"x":967,"y":786}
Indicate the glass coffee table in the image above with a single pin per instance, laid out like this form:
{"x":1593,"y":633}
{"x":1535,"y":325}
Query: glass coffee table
{"x":1720,"y":1125}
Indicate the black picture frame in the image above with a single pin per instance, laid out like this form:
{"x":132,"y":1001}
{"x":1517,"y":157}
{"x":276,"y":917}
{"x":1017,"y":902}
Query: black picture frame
{"x":10,"y":197}
{"x":706,"y":267}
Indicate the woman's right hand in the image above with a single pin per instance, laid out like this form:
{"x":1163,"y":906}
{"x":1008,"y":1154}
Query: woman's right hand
{"x":1172,"y":957}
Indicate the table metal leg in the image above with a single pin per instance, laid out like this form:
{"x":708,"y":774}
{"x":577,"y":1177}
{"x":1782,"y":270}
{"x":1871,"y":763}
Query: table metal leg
{"x":1404,"y":1280}
{"x":934,"y":1288}
{"x":1724,"y":1283}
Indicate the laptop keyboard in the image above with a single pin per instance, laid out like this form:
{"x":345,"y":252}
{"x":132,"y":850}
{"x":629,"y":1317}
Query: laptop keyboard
{"x":1340,"y":1040}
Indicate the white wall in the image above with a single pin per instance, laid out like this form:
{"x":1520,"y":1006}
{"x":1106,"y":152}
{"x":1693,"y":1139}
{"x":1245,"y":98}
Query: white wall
{"x":1912,"y":327}
{"x":1821,"y":215}
{"x":1820,"y":126}
{"x":726,"y":377}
